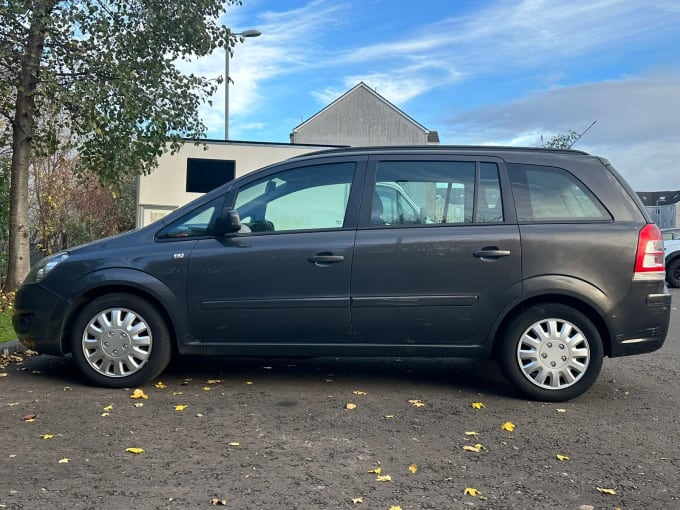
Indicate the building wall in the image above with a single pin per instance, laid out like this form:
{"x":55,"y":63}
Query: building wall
{"x":164,"y":189}
{"x":360,"y":119}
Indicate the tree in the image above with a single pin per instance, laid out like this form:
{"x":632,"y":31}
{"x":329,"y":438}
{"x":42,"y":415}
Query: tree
{"x":561,"y":140}
{"x":108,"y":71}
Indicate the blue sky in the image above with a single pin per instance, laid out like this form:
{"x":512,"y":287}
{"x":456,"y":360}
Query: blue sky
{"x":479,"y":72}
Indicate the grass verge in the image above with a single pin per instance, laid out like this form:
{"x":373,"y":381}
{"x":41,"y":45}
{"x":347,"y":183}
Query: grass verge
{"x":6,"y":331}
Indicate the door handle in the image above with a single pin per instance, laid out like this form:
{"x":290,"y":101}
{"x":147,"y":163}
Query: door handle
{"x":491,"y":253}
{"x":324,"y":259}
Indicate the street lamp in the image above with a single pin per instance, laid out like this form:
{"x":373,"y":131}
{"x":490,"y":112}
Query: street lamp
{"x":227,"y":56}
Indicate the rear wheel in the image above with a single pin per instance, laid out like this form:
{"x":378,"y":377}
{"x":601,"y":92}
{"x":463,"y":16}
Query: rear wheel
{"x":120,"y":340}
{"x":673,"y":273}
{"x":551,"y":352}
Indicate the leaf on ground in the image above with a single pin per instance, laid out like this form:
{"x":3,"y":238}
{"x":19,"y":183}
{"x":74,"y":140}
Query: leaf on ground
{"x":134,"y":450}
{"x":413,"y":468}
{"x":175,"y":393}
{"x":562,"y":457}
{"x":416,"y":402}
{"x":470,"y":491}
{"x":356,"y":501}
{"x":214,"y":381}
{"x":206,"y":388}
{"x":249,"y":382}
{"x":477,"y":405}
{"x":180,"y":407}
{"x":376,"y":471}
{"x":611,"y":492}
{"x":509,"y":426}
{"x":389,"y":416}
{"x":47,"y":436}
{"x":350,"y":406}
{"x":383,"y":478}
{"x":218,"y":502}
{"x":160,"y":385}
{"x":472,"y":433}
{"x":328,"y":380}
{"x":4,"y":374}
{"x":64,"y":461}
{"x":561,"y":410}
{"x":359,"y":392}
{"x":139,"y":394}
{"x":109,"y":407}
{"x":474,"y":448}
{"x":139,"y":404}
{"x":395,"y":507}
{"x":30,"y":417}
{"x":234,"y":443}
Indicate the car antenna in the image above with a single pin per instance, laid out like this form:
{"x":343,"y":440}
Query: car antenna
{"x":579,"y":136}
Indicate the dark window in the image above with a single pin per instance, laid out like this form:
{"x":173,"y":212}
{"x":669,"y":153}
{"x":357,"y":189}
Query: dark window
{"x":204,"y":175}
{"x":544,"y":193}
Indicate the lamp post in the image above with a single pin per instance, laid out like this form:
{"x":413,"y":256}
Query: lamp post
{"x":227,"y":56}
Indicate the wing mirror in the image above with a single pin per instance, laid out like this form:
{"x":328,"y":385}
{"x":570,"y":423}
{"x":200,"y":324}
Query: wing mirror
{"x":229,"y":222}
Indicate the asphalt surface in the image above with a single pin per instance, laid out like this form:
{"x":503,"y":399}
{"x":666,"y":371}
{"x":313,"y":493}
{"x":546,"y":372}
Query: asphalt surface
{"x":268,"y":433}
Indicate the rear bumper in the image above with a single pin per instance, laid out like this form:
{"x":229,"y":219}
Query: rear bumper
{"x":643,"y":328}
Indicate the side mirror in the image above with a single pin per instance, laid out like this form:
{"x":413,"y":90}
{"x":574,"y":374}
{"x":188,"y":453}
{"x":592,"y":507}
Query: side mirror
{"x":229,"y":222}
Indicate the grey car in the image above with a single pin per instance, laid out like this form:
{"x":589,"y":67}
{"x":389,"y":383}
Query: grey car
{"x":544,"y":260}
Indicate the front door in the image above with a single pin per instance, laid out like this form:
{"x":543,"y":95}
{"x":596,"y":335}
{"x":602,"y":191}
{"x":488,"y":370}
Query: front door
{"x":285,"y":277}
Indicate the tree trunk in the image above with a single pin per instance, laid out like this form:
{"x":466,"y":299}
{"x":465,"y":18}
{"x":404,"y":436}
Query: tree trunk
{"x":22,"y":144}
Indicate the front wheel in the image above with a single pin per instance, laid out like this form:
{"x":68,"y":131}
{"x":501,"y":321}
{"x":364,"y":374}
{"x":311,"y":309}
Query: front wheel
{"x":551,"y":352}
{"x":673,"y":273}
{"x":120,"y":340}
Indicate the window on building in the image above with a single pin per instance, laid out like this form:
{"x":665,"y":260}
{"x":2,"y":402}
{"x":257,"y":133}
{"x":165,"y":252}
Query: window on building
{"x":204,"y":175}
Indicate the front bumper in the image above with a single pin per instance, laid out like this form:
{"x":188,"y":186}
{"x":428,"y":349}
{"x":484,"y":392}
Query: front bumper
{"x":38,"y":318}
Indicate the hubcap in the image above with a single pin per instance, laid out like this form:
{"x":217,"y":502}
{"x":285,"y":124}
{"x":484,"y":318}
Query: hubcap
{"x":117,"y":342}
{"x":553,"y":354}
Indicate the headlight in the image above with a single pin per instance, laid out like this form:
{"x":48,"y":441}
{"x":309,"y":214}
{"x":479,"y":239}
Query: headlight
{"x":46,"y":265}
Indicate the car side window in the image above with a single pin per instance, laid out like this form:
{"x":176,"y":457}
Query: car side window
{"x":552,"y":194}
{"x":428,"y":192}
{"x":308,"y":198}
{"x":197,"y":223}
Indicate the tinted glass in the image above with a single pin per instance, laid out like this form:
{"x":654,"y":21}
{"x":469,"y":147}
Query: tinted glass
{"x":197,"y":223}
{"x":308,"y":198}
{"x":552,"y":194}
{"x":426,"y":192}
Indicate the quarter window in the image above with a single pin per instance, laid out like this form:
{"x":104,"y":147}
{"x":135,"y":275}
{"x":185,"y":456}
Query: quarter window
{"x":552,"y":194}
{"x":308,"y":198}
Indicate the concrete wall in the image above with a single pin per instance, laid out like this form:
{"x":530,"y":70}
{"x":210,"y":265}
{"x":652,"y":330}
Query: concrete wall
{"x":165,"y":188}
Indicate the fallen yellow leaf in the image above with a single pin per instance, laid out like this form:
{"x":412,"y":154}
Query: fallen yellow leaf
{"x":180,"y":407}
{"x":350,"y":406}
{"x":383,"y":478}
{"x":389,"y":416}
{"x":469,"y":491}
{"x":416,"y":402}
{"x":376,"y":471}
{"x":47,"y":436}
{"x":359,"y":392}
{"x":509,"y":426}
{"x":64,"y":461}
{"x":606,"y":491}
{"x":562,"y":457}
{"x":134,"y":450}
{"x":234,"y":443}
{"x":3,"y":374}
{"x":477,"y":405}
{"x":394,"y":507}
{"x":249,"y":382}
{"x":139,"y":394}
{"x":139,"y":404}
{"x":159,"y":385}
{"x":109,"y":407}
{"x":357,"y":500}
{"x":214,"y":381}
{"x":105,"y":415}
{"x":206,"y":388}
{"x":220,"y":502}
{"x":175,"y":393}
{"x":561,"y":410}
{"x":471,"y":433}
{"x":413,"y":468}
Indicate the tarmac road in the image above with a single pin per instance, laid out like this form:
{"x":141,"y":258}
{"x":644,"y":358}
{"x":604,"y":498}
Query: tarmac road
{"x":263,"y":433}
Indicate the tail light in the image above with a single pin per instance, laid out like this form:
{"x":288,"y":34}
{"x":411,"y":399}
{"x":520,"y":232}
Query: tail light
{"x":649,"y":260}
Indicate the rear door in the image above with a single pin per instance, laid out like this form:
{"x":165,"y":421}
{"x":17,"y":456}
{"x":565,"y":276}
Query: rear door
{"x":443,"y":275}
{"x":285,"y":278}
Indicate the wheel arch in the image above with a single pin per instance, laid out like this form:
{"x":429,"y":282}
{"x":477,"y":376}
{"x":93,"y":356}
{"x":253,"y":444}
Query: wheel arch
{"x":587,"y":309}
{"x":128,"y":286}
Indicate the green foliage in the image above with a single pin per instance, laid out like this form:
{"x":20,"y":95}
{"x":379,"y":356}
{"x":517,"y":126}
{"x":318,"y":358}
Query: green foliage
{"x":6,"y":330}
{"x":561,"y":140}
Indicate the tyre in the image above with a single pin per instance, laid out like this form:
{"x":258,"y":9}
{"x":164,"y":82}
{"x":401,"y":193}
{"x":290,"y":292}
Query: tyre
{"x":551,"y":352}
{"x":120,"y":340}
{"x":673,"y":273}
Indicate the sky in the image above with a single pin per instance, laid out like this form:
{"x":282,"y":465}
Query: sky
{"x":493,"y":72}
